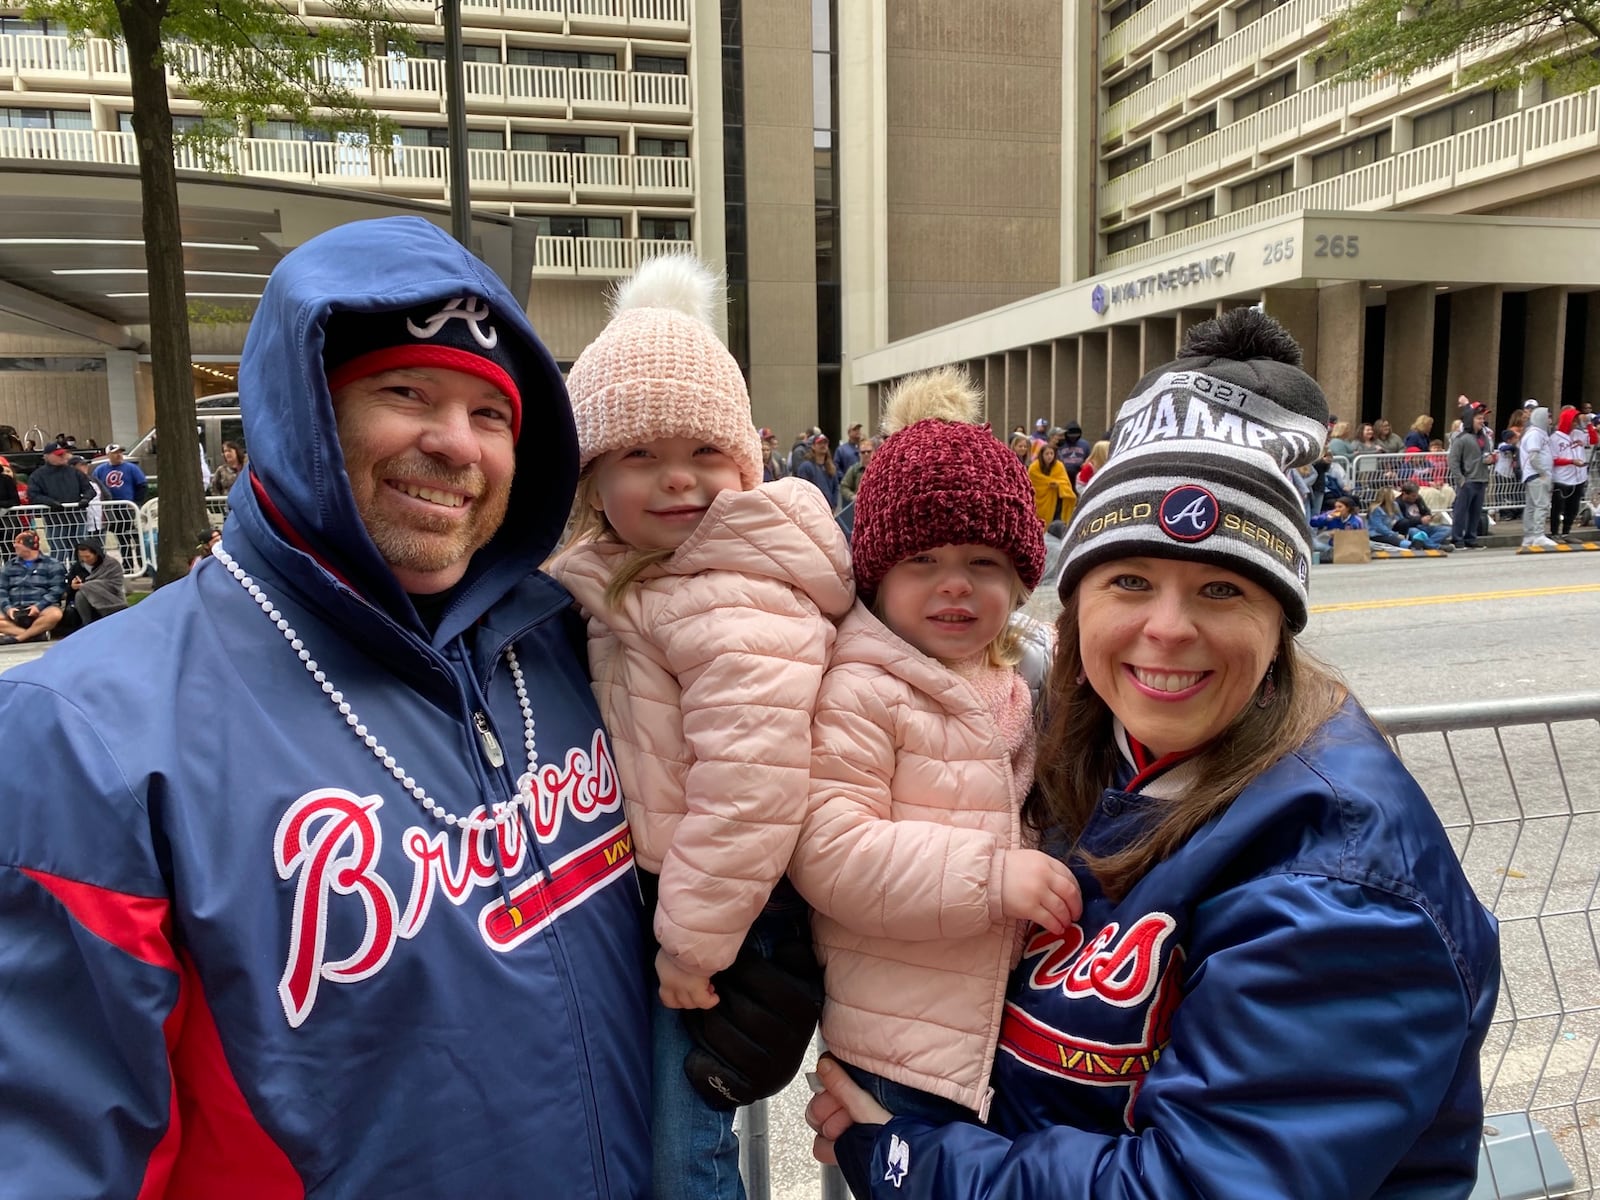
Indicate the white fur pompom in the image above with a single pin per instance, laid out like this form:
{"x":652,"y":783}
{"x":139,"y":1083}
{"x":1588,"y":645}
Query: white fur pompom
{"x":943,"y":394}
{"x":680,"y":282}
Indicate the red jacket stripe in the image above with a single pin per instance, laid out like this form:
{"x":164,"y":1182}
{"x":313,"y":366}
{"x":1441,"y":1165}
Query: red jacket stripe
{"x":137,"y":925}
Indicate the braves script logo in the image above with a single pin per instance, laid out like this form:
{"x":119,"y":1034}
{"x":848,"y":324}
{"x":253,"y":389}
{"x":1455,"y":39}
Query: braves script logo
{"x":330,"y":842}
{"x":464,"y":308}
{"x":1189,"y":513}
{"x":1120,"y":985}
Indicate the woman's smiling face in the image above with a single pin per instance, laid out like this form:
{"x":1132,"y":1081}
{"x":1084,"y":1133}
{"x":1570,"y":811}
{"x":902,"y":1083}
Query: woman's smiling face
{"x":1175,"y":649}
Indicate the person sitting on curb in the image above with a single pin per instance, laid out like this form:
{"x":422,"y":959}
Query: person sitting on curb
{"x":1414,"y":517}
{"x":96,"y":584}
{"x":1342,"y":515}
{"x":32,"y":587}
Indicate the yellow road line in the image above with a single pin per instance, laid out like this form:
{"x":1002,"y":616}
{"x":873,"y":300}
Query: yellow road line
{"x":1412,"y":601}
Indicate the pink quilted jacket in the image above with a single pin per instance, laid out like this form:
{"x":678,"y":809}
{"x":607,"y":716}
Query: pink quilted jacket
{"x":913,"y":810}
{"x":707,"y":675}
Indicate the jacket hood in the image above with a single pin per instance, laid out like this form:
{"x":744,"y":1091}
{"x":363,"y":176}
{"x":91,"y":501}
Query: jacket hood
{"x":782,"y":529}
{"x":1569,"y":416}
{"x":1539,"y":418}
{"x":300,"y":493}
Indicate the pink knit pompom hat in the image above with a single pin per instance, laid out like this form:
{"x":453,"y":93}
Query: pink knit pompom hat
{"x":657,"y":370}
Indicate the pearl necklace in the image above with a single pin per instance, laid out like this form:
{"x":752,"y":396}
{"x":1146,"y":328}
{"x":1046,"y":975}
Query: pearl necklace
{"x":503,"y":812}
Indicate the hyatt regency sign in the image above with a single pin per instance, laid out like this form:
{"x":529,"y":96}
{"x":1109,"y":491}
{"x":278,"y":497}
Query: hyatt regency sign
{"x":1107,"y":296}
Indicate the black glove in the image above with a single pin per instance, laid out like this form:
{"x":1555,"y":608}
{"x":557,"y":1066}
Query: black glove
{"x":752,"y":1043}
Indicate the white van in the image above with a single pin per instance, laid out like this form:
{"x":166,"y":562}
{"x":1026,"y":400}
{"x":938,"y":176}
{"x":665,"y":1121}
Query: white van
{"x":218,"y":420}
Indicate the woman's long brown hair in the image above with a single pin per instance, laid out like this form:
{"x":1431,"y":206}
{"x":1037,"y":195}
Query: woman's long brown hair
{"x":1078,"y":753}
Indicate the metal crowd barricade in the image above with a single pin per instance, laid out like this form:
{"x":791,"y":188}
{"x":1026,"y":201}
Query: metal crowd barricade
{"x":1517,"y":785}
{"x":115,"y":522}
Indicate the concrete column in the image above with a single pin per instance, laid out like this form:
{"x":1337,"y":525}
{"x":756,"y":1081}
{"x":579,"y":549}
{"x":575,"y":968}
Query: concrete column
{"x":1158,"y":342}
{"x":122,"y":383}
{"x":1188,"y":318}
{"x":1296,"y":310}
{"x":1066,"y":402}
{"x":994,"y":392}
{"x":1017,"y":410}
{"x":1591,"y":352}
{"x":1473,"y":366}
{"x":1093,"y":408}
{"x":874,"y":409}
{"x":1545,"y":346}
{"x":1122,"y":367}
{"x":1040,"y":398}
{"x":1341,"y":339}
{"x":1407,"y":353}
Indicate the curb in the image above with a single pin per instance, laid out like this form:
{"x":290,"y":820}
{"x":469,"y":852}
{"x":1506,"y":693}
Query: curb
{"x":1559,"y":549}
{"x":1379,"y":555}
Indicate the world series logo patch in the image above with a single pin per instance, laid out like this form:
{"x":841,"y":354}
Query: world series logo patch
{"x":1189,"y":513}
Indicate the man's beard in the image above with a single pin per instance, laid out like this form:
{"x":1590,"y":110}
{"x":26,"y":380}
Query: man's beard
{"x":422,"y":544}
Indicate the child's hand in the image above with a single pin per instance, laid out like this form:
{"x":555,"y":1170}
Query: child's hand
{"x":1040,"y":889}
{"x":683,"y":989}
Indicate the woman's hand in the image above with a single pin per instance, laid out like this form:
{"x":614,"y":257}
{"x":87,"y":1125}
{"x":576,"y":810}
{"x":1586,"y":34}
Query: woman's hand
{"x":683,"y":989}
{"x":840,"y":1105}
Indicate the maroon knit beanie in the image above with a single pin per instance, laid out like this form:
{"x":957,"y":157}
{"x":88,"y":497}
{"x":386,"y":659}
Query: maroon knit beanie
{"x":940,"y":479}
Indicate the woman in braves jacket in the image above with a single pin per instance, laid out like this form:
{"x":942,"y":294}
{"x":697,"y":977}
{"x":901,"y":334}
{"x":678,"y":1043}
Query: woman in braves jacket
{"x":1281,"y":979}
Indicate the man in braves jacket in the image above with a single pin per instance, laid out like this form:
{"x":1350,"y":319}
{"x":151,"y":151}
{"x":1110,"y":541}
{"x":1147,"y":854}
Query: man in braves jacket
{"x":326,"y":891}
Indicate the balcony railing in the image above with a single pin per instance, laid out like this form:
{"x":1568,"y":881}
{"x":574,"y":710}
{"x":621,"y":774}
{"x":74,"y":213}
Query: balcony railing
{"x":392,"y":81}
{"x":1558,"y":129}
{"x":599,"y":256}
{"x":1260,"y":40}
{"x":1140,"y":28}
{"x":413,"y":170}
{"x":1322,"y":107}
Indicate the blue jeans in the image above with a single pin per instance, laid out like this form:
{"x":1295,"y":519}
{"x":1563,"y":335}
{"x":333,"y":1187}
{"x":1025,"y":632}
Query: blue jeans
{"x":696,"y":1151}
{"x":906,"y":1101}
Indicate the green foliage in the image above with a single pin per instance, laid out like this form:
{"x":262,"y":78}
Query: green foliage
{"x":203,"y":312}
{"x":247,"y":61}
{"x":1504,"y":43}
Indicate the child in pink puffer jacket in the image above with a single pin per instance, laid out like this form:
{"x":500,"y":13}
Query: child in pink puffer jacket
{"x":913,"y":853}
{"x":711,"y":599}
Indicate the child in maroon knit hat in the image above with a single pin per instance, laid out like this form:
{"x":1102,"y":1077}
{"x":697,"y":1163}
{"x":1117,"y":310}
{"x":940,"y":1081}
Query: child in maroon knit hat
{"x":913,"y":853}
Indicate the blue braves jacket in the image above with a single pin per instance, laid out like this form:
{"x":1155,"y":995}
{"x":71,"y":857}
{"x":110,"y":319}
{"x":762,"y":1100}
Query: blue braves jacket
{"x":237,"y":958}
{"x":1290,"y":1006}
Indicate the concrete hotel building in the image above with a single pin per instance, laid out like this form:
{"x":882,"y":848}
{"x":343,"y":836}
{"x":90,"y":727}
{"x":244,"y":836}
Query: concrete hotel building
{"x":1051,"y":192}
{"x":599,"y":132}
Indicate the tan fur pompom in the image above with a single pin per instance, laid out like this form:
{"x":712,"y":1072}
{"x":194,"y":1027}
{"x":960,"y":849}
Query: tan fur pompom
{"x":942,"y":394}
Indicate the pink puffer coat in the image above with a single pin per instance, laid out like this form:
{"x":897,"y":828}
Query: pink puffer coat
{"x":707,"y":675}
{"x":913,"y":811}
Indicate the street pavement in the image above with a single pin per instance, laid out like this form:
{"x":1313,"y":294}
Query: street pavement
{"x":1477,"y":625}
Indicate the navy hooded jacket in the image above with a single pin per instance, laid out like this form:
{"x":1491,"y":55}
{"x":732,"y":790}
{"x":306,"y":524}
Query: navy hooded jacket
{"x":1291,"y":1005}
{"x":238,"y":958}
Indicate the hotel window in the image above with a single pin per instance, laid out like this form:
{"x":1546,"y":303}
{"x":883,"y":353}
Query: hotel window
{"x":566,"y":143}
{"x":663,"y":229}
{"x":469,"y":52}
{"x":14,"y":26}
{"x":1268,"y":93}
{"x":1254,"y":10}
{"x":1128,"y":236}
{"x":1462,"y":116}
{"x":1329,"y":65}
{"x":1123,"y":11}
{"x":1129,"y":84}
{"x":585,"y":61}
{"x":438,"y":137}
{"x":653,"y":64}
{"x":180,"y":122}
{"x":1186,"y":216}
{"x":1351,"y":156}
{"x":44,"y":118}
{"x":654,"y":147}
{"x":1128,"y":160}
{"x":1193,"y":128}
{"x":1263,"y":187}
{"x":580,"y":227}
{"x":1192,"y":45}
